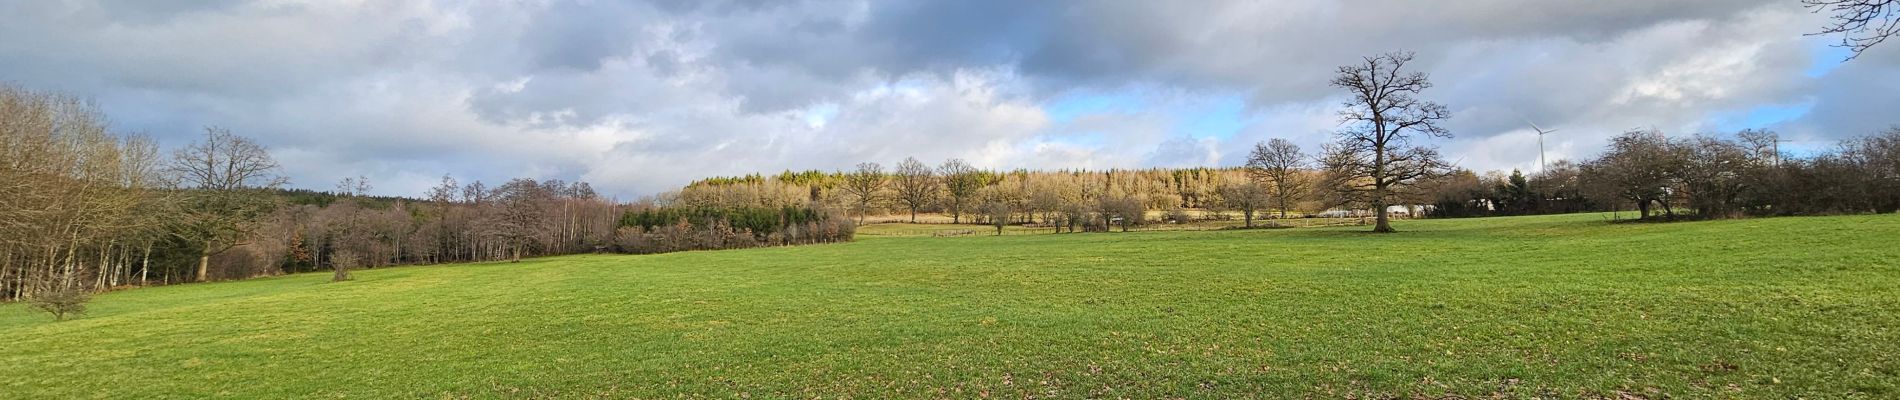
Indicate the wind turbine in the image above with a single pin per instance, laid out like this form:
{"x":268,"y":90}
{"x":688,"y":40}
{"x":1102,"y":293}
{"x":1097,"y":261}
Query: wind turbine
{"x":1541,"y":165}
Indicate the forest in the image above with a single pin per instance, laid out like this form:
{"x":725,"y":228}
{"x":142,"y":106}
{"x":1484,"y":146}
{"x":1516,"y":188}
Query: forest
{"x":84,"y":209}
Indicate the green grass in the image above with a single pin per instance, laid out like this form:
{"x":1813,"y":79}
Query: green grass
{"x":1567,"y":306}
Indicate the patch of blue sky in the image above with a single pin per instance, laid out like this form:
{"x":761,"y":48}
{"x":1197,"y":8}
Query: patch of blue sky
{"x":1220,"y":117}
{"x":1762,"y":116}
{"x":1068,"y":107}
{"x":1827,"y":58}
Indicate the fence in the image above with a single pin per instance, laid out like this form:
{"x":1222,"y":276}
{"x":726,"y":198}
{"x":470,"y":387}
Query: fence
{"x":960,"y":230}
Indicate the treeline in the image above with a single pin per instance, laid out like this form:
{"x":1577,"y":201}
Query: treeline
{"x":657,"y":230}
{"x":1155,"y":188}
{"x":1073,"y":200}
{"x":1695,"y":176}
{"x":84,"y":209}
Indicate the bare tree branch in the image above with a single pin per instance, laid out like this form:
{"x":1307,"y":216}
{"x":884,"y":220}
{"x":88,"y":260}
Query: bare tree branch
{"x":1862,"y":24}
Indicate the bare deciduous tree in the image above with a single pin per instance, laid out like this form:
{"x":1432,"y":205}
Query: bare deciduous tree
{"x":1122,"y":211}
{"x":1246,"y":197}
{"x":1636,"y":168}
{"x":865,"y":185}
{"x":61,"y":297}
{"x":961,"y":182}
{"x":1280,"y":165}
{"x":998,"y":214}
{"x":1374,"y":154}
{"x":916,"y":185}
{"x":521,"y":215}
{"x":1861,"y":23}
{"x":227,"y":175}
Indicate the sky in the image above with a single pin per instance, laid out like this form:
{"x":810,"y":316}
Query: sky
{"x":640,"y":97}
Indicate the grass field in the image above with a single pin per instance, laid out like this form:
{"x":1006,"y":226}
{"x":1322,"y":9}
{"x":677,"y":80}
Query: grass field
{"x":1558,"y":306}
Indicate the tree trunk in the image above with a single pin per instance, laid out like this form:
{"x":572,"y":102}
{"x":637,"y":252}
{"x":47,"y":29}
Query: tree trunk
{"x":204,"y":264}
{"x":1382,"y":220}
{"x":1248,"y":215}
{"x":6,"y":267}
{"x":145,"y":266}
{"x":1379,"y":184}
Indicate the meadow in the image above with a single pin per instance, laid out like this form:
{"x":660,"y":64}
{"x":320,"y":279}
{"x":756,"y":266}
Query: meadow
{"x":1570,"y":306}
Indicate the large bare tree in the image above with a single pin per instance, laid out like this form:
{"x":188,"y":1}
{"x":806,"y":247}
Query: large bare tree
{"x":1374,"y":153}
{"x":227,"y":177}
{"x":521,"y":214}
{"x":961,"y":182}
{"x":916,"y":185}
{"x":1280,"y":165}
{"x":1861,"y":23}
{"x":865,"y":185}
{"x":1637,"y":167}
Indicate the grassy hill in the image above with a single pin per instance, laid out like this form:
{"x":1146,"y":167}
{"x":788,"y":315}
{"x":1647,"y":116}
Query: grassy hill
{"x":1571,"y":306}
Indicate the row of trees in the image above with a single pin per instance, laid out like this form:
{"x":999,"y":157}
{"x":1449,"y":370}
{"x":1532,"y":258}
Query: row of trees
{"x":453,"y":223}
{"x":871,"y":190}
{"x":74,"y":197}
{"x":1695,"y":176}
{"x":658,"y":230}
{"x":83,"y":208}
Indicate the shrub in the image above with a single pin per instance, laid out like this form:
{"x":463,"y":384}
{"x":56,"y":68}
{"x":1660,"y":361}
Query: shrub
{"x":63,"y":301}
{"x":342,"y":261}
{"x":1179,"y":215}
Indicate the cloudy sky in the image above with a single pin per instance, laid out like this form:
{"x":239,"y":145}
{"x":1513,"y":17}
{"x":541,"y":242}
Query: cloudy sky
{"x":640,"y":97}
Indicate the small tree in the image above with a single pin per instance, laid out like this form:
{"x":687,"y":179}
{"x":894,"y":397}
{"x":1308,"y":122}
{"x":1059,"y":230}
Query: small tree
{"x":1279,"y":164}
{"x":998,"y":213}
{"x":1246,"y":198}
{"x":865,"y":185}
{"x":62,"y":298}
{"x":341,"y":262}
{"x":1123,"y":211}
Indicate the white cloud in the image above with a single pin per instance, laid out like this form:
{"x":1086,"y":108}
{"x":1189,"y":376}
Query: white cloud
{"x":641,"y":97}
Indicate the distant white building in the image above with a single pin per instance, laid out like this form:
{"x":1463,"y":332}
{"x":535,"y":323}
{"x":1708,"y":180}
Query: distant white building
{"x":1398,"y":211}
